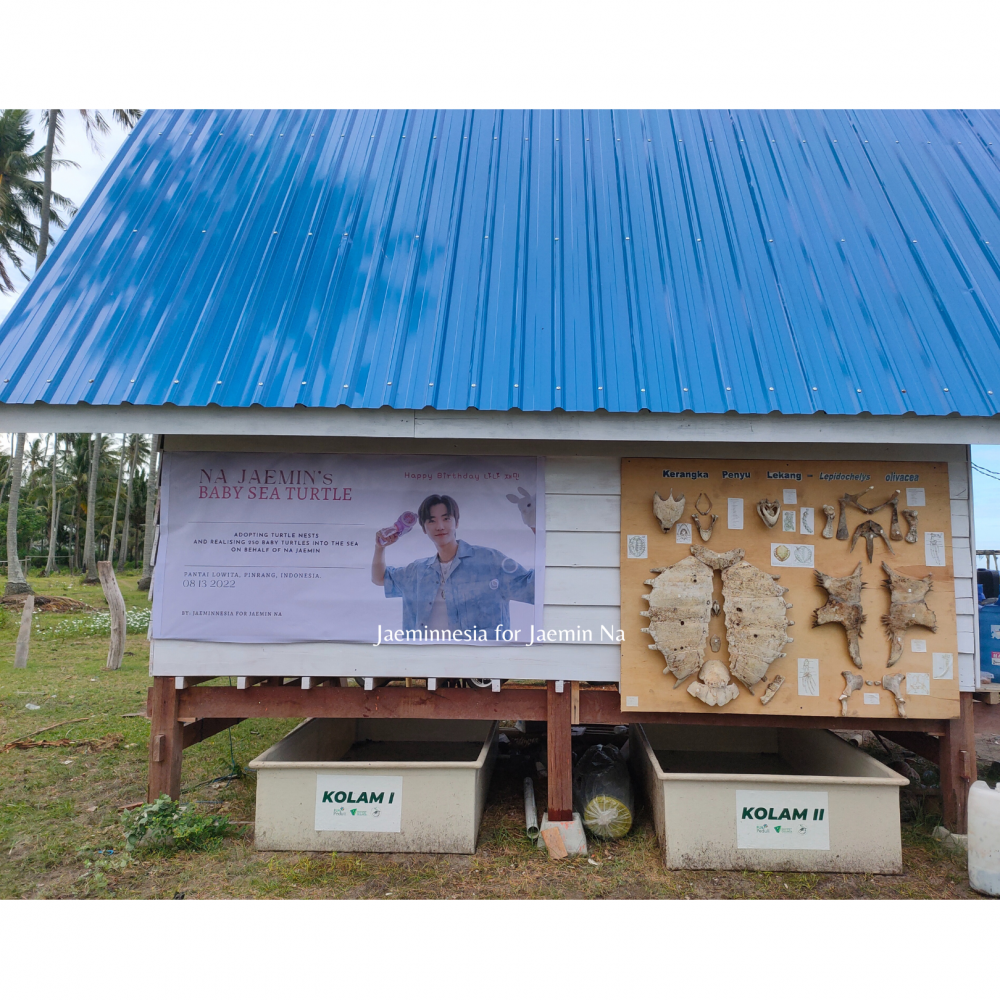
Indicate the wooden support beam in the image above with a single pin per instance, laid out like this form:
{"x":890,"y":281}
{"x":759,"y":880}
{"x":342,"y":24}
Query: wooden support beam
{"x":201,"y":729}
{"x":166,"y":740}
{"x":559,"y":709}
{"x":958,"y":766}
{"x":604,"y":708}
{"x":929,"y":747}
{"x":329,"y":702}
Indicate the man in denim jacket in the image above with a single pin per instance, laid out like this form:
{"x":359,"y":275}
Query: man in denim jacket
{"x":462,"y":586}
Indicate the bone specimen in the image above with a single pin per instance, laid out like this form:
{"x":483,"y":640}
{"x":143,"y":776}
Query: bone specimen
{"x":891,"y":683}
{"x":911,"y":520}
{"x":768,"y":510}
{"x":907,"y":607}
{"x":716,"y":643}
{"x":843,"y":606}
{"x":852,"y":500}
{"x":705,"y":532}
{"x":755,"y":621}
{"x":830,"y":515}
{"x":716,"y":609}
{"x":772,"y":689}
{"x":869,"y":530}
{"x":714,"y":685}
{"x":852,"y":683}
{"x":717,"y":560}
{"x":668,"y":511}
{"x":680,"y":607}
{"x":894,"y":533}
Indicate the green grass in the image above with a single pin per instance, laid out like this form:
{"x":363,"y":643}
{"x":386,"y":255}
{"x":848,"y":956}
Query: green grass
{"x":59,"y":808}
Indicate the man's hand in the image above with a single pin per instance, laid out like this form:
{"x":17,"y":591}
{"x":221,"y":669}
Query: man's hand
{"x":386,"y":536}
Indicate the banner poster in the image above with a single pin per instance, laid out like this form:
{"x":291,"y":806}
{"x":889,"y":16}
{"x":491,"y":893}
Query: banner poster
{"x":350,"y":548}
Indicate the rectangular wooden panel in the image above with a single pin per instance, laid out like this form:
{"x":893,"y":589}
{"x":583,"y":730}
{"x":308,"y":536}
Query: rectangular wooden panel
{"x":784,"y":551}
{"x":582,"y":548}
{"x":581,"y":585}
{"x":580,"y":474}
{"x":582,"y":513}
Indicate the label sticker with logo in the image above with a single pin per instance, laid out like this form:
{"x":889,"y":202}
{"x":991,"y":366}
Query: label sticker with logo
{"x":783,"y":821}
{"x":358,"y":803}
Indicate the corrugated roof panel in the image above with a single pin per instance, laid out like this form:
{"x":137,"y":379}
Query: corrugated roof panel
{"x":712,"y":261}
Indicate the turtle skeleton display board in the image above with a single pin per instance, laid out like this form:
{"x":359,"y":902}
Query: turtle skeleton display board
{"x":794,"y":549}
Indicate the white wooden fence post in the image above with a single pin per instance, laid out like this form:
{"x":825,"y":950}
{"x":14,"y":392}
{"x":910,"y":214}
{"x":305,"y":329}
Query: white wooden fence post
{"x":24,"y":633}
{"x":116,"y":605}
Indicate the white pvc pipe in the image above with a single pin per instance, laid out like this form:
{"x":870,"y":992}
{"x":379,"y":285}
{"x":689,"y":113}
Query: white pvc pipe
{"x":530,"y":812}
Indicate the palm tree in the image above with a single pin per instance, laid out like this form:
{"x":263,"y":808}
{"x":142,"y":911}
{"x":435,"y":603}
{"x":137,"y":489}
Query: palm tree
{"x":16,"y":584}
{"x":21,"y":193}
{"x":138,"y":452}
{"x":50,"y":561}
{"x":89,"y":549}
{"x":95,"y":123}
{"x":146,"y":577}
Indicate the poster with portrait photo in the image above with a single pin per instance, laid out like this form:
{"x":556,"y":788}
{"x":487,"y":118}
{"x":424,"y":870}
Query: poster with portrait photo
{"x":264,"y":548}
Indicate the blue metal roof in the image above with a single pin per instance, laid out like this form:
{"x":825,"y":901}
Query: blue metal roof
{"x":750,"y":261}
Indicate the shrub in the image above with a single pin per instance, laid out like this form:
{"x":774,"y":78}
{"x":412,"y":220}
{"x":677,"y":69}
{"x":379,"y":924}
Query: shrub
{"x":167,"y":824}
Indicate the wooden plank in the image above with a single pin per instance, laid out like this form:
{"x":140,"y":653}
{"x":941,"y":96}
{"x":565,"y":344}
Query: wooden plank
{"x":585,"y":618}
{"x":582,"y":548}
{"x":201,"y":729}
{"x":560,"y":752}
{"x":642,"y":668}
{"x":604,"y":708}
{"x":580,"y":474}
{"x":588,"y":585}
{"x":582,"y":513}
{"x":166,"y":740}
{"x":957,"y":765}
{"x":582,"y":661}
{"x":960,"y":525}
{"x":958,"y":481}
{"x":288,"y":702}
{"x":929,"y":747}
{"x":554,"y":843}
{"x":961,"y":559}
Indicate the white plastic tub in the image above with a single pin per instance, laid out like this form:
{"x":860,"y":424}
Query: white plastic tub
{"x":409,"y":785}
{"x":767,"y":799}
{"x":984,"y":838}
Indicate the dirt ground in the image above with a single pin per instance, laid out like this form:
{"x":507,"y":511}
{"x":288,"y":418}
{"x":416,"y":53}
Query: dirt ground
{"x":61,"y":837}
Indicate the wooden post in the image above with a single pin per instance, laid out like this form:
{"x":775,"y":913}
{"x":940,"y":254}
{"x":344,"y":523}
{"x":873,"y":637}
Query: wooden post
{"x":116,"y":605}
{"x":166,"y":741}
{"x":958,"y":766}
{"x":24,"y":633}
{"x":560,"y":751}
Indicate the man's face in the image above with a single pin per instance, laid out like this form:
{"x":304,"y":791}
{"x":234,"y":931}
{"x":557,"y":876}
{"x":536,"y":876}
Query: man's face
{"x":440,"y":526}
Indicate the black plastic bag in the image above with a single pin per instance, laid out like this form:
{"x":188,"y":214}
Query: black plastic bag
{"x":602,"y":792}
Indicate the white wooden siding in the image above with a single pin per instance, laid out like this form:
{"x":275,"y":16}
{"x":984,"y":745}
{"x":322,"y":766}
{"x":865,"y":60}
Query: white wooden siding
{"x":582,"y":548}
{"x":963,"y":554}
